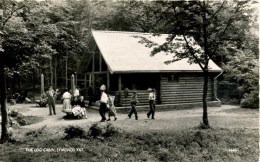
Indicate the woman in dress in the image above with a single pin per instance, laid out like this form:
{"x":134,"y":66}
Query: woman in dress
{"x":112,"y":110}
{"x":66,"y":100}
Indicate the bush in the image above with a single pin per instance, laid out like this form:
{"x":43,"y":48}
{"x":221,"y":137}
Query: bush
{"x":103,"y":130}
{"x":14,"y":113}
{"x":251,"y":100}
{"x":37,"y":132}
{"x":74,"y":132}
{"x":21,"y":119}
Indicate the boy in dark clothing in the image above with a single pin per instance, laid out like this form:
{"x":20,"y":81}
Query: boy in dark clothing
{"x":74,"y":102}
{"x":134,"y":101}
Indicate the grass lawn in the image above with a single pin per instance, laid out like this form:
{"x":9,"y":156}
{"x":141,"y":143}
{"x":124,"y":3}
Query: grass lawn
{"x":195,"y":144}
{"x":229,"y":139}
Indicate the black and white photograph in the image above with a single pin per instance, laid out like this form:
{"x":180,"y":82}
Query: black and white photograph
{"x":129,"y":80}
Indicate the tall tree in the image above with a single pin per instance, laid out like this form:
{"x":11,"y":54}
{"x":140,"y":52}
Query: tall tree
{"x":21,"y":46}
{"x":210,"y":23}
{"x":12,"y":28}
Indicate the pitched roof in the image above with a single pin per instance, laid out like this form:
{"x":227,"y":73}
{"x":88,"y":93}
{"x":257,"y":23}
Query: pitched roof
{"x":123,"y":53}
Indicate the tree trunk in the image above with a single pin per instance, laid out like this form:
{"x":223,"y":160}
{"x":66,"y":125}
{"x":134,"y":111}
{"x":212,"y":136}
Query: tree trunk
{"x":19,"y":83}
{"x":4,"y":133}
{"x":66,"y":71}
{"x":205,"y":70}
{"x":33,"y":77}
{"x":51,"y":72}
{"x":204,"y":100}
{"x":55,"y":73}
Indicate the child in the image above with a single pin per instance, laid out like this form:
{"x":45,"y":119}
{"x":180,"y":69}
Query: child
{"x":152,"y":98}
{"x":112,"y":110}
{"x":134,"y":101}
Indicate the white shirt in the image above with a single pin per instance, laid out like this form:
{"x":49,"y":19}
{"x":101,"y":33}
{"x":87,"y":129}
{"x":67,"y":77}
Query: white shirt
{"x":66,"y":95}
{"x":151,"y":96}
{"x":76,"y":92}
{"x":104,"y":98}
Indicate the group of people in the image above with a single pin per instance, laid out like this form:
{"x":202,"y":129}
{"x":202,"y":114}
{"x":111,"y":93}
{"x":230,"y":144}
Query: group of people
{"x":74,"y":104}
{"x":134,"y":102}
{"x":106,"y":104}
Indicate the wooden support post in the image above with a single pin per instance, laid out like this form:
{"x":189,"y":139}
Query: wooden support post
{"x":93,"y":70}
{"x":85,"y":80}
{"x":90,"y":80}
{"x":100,"y":62}
{"x":119,"y":89}
{"x":108,"y":81}
{"x":213,"y":89}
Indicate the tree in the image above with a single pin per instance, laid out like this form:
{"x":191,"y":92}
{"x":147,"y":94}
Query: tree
{"x":72,"y":21}
{"x":240,"y":60}
{"x":21,"y":49}
{"x":137,"y":16}
{"x":210,"y":23}
{"x":10,"y":25}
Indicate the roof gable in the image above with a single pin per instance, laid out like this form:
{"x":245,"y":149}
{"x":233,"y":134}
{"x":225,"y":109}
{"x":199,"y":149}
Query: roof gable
{"x":123,"y":53}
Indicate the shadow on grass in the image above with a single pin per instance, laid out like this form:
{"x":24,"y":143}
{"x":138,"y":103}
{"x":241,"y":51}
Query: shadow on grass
{"x":33,"y":119}
{"x":241,"y":111}
{"x":71,"y":117}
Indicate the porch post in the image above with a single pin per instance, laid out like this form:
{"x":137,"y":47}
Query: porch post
{"x":85,"y":80}
{"x":119,"y":83}
{"x":89,"y":79}
{"x":213,"y":89}
{"x":119,"y":88}
{"x":93,"y":69}
{"x":100,"y":61}
{"x":108,"y":81}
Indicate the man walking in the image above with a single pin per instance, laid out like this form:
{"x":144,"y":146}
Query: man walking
{"x":134,"y":101}
{"x":151,"y":102}
{"x":103,"y":103}
{"x":50,"y":95}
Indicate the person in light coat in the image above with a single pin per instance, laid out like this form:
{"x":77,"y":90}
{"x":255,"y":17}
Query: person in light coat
{"x":66,"y":100}
{"x":103,"y":103}
{"x":151,"y":98}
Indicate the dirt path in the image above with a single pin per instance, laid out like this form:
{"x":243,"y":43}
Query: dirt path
{"x":226,"y":116}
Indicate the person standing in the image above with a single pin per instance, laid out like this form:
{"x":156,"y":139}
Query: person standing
{"x":103,"y":103}
{"x":51,"y":95}
{"x":66,"y":100}
{"x":112,"y":109}
{"x":134,"y":101}
{"x":76,"y":92}
{"x":81,"y":103}
{"x":151,"y":102}
{"x":90,"y":95}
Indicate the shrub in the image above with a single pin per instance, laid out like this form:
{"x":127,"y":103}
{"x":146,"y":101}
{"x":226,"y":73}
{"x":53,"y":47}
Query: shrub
{"x":163,"y":154}
{"x":35,"y":133}
{"x":21,"y":119}
{"x":74,"y":132}
{"x":14,"y":113}
{"x":251,"y":100}
{"x":103,"y":130}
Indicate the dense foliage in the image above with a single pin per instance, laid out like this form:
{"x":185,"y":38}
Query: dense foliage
{"x":48,"y":37}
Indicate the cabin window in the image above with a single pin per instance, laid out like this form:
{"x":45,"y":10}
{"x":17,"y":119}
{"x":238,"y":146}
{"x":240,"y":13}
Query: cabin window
{"x":173,"y":78}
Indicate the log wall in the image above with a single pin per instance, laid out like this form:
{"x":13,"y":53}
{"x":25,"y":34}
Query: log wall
{"x":188,"y":89}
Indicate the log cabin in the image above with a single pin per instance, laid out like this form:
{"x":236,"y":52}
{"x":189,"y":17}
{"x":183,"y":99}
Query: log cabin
{"x":123,"y":64}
